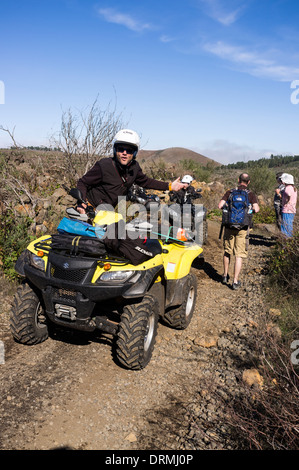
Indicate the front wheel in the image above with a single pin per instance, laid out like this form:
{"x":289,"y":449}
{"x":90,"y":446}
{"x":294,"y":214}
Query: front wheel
{"x":27,"y":319}
{"x":137,"y":333}
{"x":181,"y":316}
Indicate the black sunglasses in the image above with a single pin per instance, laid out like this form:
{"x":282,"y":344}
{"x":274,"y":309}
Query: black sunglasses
{"x":122,"y":149}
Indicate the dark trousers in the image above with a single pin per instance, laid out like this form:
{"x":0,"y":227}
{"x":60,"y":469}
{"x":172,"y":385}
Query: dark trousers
{"x":278,"y":215}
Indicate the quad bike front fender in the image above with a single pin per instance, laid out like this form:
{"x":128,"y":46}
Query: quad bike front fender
{"x":179,"y":258}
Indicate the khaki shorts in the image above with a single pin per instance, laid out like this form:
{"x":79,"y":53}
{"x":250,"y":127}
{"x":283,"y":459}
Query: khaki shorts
{"x":235,"y":242}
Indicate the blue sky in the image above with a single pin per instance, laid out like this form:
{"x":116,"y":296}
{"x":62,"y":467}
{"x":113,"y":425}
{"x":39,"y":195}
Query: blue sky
{"x":210,"y":75}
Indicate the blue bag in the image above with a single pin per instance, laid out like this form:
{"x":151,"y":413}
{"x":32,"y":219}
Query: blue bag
{"x":237,"y":213}
{"x":78,"y":227}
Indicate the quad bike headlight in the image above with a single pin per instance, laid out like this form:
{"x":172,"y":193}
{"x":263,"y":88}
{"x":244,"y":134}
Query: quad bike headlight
{"x":37,"y":262}
{"x":120,"y":276}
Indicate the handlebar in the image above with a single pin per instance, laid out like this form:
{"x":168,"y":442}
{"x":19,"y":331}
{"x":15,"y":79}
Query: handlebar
{"x":184,"y":197}
{"x":76,"y":194}
{"x":137,"y":194}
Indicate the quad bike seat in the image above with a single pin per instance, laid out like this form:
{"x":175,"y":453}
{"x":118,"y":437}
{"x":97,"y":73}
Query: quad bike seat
{"x":154,"y":246}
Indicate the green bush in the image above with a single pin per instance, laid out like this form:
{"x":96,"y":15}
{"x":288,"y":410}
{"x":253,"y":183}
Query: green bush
{"x":214,"y":213}
{"x":266,"y":215}
{"x":14,"y":237}
{"x":199,"y":172}
{"x":262,"y":181}
{"x":284,"y":266}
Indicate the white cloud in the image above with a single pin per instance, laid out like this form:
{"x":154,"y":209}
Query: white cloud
{"x":166,"y":39}
{"x":226,"y":15}
{"x":225,"y":152}
{"x":113,"y":16}
{"x":253,"y":62}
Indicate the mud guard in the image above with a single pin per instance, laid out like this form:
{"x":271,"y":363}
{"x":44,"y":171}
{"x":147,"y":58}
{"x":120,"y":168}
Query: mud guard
{"x":22,"y":260}
{"x":174,"y":292}
{"x":141,"y":287}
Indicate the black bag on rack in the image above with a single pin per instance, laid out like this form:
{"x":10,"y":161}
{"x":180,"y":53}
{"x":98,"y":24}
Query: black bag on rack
{"x":78,"y":245}
{"x":137,"y":250}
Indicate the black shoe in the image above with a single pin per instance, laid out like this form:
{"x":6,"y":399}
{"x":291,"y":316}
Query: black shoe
{"x":225,"y":279}
{"x":236,"y":285}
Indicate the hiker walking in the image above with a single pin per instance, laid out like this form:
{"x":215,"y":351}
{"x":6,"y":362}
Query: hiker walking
{"x":237,"y":205}
{"x":289,"y":202}
{"x":278,"y":199}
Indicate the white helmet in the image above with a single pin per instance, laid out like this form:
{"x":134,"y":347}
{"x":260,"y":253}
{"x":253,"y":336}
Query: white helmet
{"x":126,"y":136}
{"x":187,"y":179}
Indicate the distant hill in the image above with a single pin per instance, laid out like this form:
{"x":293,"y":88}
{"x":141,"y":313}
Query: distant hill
{"x":175,"y":155}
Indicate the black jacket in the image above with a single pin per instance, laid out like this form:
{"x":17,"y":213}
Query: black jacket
{"x":107,"y":180}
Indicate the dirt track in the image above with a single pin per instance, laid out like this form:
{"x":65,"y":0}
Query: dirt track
{"x":68,"y":392}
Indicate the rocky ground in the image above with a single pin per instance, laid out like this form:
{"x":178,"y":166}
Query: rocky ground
{"x":69,"y":393}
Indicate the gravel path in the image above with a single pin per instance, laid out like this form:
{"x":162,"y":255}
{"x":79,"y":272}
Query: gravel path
{"x":69,"y":393}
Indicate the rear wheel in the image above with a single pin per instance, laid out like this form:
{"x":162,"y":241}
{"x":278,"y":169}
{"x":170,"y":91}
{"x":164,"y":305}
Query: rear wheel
{"x":181,"y":316}
{"x":137,"y":333}
{"x":27,"y":320}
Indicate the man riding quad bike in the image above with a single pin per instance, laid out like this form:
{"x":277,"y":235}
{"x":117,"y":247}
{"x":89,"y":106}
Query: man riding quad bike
{"x":89,"y":280}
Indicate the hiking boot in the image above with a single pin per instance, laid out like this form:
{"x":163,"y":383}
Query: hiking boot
{"x":236,"y":285}
{"x":225,"y":279}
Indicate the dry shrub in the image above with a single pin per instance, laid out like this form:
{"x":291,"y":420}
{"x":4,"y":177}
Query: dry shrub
{"x":267,"y":418}
{"x":160,"y":170}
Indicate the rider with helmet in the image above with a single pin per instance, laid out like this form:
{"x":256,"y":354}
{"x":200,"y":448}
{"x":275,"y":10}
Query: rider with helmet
{"x":187,"y":179}
{"x":112,"y":177}
{"x":181,"y":196}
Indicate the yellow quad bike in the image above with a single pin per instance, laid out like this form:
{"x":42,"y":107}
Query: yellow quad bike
{"x":86,"y":292}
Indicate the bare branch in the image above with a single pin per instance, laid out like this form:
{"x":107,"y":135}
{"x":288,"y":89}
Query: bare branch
{"x":87,"y":136}
{"x":11,"y":135}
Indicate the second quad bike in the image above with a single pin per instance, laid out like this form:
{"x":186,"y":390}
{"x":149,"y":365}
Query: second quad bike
{"x":76,"y":287}
{"x":183,"y":209}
